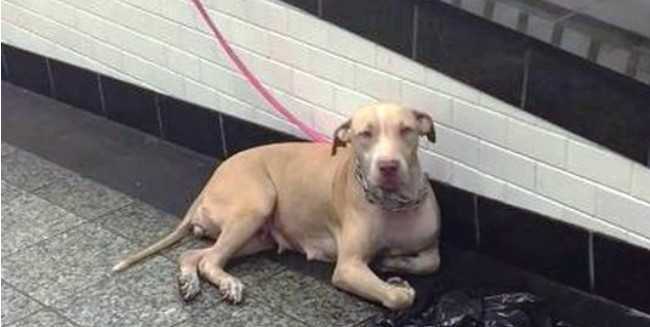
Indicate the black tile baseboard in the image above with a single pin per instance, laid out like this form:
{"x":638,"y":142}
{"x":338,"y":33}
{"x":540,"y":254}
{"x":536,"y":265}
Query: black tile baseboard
{"x":76,"y":86}
{"x":26,"y":69}
{"x":622,"y":272}
{"x":131,"y":106}
{"x":459,"y":211}
{"x":548,"y":247}
{"x":521,"y":237}
{"x":191,"y":126}
{"x":240,"y":135}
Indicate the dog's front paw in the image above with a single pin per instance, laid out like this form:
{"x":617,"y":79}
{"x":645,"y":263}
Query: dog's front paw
{"x":231,"y":289}
{"x":189,"y":286}
{"x":401,"y":295}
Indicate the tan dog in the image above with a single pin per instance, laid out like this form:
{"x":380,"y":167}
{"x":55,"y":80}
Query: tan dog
{"x":347,"y":206}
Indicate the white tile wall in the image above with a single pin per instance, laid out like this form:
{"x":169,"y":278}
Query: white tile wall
{"x":575,"y":42}
{"x":520,"y":197}
{"x":599,"y":164}
{"x":378,"y":84}
{"x":456,"y":145}
{"x":306,"y":28}
{"x":536,"y":142}
{"x":349,"y":45}
{"x":561,"y":186}
{"x":507,"y":165}
{"x":436,"y":166}
{"x":540,"y":28}
{"x":322,"y":73}
{"x":476,"y":6}
{"x":313,"y":89}
{"x":331,"y":67}
{"x":614,"y":58}
{"x":506,"y":15}
{"x":421,"y":98}
{"x":400,"y":66}
{"x":623,"y":210}
{"x":641,"y":182}
{"x":445,"y":84}
{"x":482,"y":123}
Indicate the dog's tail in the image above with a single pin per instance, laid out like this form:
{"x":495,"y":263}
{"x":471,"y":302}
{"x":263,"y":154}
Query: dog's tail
{"x":182,"y":230}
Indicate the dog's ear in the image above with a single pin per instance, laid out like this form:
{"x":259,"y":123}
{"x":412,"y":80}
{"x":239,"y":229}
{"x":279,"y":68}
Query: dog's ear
{"x":425,"y":125}
{"x":341,"y":136}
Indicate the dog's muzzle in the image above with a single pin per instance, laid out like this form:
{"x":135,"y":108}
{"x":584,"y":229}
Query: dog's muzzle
{"x":390,"y":201}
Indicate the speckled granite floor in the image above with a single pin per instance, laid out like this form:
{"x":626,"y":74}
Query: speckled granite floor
{"x":61,"y":233}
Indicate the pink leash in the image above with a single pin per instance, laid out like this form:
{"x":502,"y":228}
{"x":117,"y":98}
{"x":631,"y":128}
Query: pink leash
{"x":254,"y":82}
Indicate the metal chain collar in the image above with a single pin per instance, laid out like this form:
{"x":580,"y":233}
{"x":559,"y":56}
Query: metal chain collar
{"x":390,"y":201}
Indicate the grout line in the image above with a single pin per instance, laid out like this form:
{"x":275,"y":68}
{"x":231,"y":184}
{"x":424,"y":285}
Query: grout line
{"x":556,"y":36}
{"x":594,"y":50}
{"x":592,"y":269}
{"x":84,"y":221}
{"x":488,"y":10}
{"x":224,"y":144}
{"x":414,"y":42}
{"x":5,"y":65}
{"x":102,"y":99}
{"x":522,"y":22}
{"x":632,"y":67}
{"x":156,"y":102}
{"x":524,"y":82}
{"x":44,"y":306}
{"x":50,"y":78}
{"x":477,"y":228}
{"x":319,"y":8}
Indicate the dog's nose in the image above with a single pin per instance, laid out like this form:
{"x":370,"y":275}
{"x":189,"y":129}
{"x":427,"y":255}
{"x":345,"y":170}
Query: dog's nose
{"x":388,"y":167}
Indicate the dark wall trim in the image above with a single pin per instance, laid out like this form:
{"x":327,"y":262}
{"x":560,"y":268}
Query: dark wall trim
{"x":553,"y":249}
{"x":594,"y":102}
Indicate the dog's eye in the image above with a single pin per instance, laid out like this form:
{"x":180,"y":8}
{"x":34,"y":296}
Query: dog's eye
{"x":404,"y":131}
{"x":365,"y":134}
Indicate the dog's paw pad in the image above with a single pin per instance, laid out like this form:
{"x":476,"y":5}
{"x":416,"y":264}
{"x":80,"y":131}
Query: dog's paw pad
{"x":232,"y":290}
{"x":188,"y":286}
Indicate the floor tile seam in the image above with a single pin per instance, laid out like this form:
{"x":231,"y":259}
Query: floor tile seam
{"x":85,"y":221}
{"x":34,"y":189}
{"x":267,"y":306}
{"x":44,"y":307}
{"x":41,"y":242}
{"x":278,"y":309}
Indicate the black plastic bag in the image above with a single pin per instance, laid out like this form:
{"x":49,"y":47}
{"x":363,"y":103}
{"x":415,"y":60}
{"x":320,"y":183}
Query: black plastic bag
{"x":466,"y":308}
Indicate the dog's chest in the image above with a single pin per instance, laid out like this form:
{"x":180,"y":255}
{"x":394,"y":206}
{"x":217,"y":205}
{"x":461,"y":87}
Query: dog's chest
{"x":406,"y":234}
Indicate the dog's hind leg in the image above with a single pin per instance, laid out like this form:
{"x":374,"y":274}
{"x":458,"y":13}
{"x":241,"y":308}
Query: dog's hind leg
{"x":188,"y":279}
{"x":238,"y":238}
{"x":232,"y":241}
{"x":189,"y":285}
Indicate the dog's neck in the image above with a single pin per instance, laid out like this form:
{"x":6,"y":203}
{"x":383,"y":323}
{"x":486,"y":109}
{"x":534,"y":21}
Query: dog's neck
{"x":391,"y":201}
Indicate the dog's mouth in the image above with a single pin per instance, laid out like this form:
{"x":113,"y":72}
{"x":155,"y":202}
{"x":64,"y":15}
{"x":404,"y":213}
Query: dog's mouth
{"x":390,"y":184}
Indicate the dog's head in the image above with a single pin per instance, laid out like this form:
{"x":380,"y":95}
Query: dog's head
{"x":384,"y":138}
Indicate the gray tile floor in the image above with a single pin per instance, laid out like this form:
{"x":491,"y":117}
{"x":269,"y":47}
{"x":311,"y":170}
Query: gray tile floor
{"x":61,"y":233}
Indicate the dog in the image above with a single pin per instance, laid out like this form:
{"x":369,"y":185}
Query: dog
{"x":363,"y":197}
